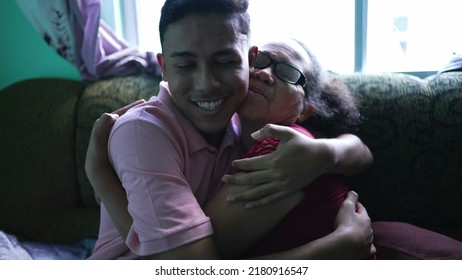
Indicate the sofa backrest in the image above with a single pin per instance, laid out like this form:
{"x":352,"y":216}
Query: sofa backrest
{"x":37,"y":165}
{"x":414,"y":128}
{"x":46,"y":124}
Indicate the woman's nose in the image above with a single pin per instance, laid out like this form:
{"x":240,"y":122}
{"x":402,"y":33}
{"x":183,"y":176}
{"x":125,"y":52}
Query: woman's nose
{"x":264,"y":75}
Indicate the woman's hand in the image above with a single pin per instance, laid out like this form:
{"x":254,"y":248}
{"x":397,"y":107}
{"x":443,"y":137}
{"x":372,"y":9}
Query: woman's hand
{"x":297,"y":162}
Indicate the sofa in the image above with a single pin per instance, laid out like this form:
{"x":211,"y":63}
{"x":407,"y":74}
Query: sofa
{"x":413,"y":127}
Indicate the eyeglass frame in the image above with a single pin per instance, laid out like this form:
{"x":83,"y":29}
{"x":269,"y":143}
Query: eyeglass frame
{"x":302,"y":80}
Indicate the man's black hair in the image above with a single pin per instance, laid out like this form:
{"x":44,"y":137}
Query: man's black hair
{"x":175,"y":10}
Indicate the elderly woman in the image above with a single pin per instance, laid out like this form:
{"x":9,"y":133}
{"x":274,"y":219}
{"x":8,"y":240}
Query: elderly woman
{"x":288,"y":87}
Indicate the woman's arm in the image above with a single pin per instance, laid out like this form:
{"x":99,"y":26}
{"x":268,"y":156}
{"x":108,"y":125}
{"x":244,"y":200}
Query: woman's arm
{"x":297,"y":162}
{"x":350,"y":156}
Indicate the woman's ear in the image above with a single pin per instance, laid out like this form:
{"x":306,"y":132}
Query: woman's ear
{"x":253,"y":52}
{"x":160,"y":60}
{"x":308,"y":111}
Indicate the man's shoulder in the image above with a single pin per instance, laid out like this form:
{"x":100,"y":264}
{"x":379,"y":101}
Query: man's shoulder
{"x":153,"y":112}
{"x":158,"y":121}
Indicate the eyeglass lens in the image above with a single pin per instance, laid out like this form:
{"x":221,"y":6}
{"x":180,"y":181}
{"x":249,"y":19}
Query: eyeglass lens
{"x":283,"y":71}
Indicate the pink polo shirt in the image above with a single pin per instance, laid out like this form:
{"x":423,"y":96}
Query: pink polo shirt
{"x":166,"y":168}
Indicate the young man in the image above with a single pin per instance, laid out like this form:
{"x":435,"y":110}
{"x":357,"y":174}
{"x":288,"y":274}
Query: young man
{"x":169,"y":151}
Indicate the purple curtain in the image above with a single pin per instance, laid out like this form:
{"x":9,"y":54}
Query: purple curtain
{"x":73,"y":28}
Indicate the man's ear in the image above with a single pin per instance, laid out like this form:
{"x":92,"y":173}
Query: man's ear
{"x":253,"y":52}
{"x":163,"y":67}
{"x":308,"y":111}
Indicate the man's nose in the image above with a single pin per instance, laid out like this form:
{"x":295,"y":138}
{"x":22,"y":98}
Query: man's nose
{"x":206,"y":80}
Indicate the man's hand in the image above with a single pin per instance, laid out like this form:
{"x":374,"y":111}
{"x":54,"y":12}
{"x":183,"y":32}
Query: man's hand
{"x":297,"y":162}
{"x":353,"y":221}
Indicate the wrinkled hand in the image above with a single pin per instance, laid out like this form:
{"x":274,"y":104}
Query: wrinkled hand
{"x":97,"y":158}
{"x":297,"y":162}
{"x":353,"y":221}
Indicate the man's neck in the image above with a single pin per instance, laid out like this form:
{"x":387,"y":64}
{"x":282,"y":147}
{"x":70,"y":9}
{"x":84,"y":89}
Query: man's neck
{"x":214,"y":139}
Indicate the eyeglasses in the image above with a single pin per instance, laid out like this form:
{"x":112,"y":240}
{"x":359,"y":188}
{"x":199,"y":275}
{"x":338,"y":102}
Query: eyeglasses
{"x":284,"y":71}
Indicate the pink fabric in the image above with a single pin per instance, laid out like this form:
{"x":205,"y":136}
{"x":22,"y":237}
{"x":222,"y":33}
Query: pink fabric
{"x":312,"y":218}
{"x":166,"y":168}
{"x":73,"y":28}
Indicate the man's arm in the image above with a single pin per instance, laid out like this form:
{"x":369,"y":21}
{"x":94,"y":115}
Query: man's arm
{"x":110,"y":191}
{"x":237,"y":228}
{"x":102,"y":177}
{"x":203,"y":249}
{"x":351,"y":239}
{"x":297,"y":162}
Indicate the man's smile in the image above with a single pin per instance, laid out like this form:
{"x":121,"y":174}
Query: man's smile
{"x":210,"y":105}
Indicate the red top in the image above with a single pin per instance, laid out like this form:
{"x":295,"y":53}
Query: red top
{"x":312,"y":218}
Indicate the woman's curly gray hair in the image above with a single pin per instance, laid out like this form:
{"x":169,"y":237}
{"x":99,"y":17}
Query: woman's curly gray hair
{"x":336,"y":109}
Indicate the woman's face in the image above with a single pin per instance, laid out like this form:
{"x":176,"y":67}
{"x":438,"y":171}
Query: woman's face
{"x":270,"y":99}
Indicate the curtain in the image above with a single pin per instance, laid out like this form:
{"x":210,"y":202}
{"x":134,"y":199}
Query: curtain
{"x":454,"y":65}
{"x":73,"y":28}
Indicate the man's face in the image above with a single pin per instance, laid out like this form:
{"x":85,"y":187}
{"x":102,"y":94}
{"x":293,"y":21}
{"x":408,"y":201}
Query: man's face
{"x":206,"y":63}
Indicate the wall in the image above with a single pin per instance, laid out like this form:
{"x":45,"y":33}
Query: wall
{"x":24,"y":54}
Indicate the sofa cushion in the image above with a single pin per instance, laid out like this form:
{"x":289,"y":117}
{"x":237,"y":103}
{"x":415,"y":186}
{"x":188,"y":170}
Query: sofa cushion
{"x":403,"y":241}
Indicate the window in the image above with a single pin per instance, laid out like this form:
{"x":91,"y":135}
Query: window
{"x":409,"y":36}
{"x":328,"y":32}
{"x":346,"y":35}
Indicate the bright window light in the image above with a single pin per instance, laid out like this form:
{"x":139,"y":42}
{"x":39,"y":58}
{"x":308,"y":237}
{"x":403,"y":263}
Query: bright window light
{"x":408,"y":35}
{"x":402,"y":35}
{"x":308,"y":20}
{"x":328,"y":31}
{"x":148,"y":24}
